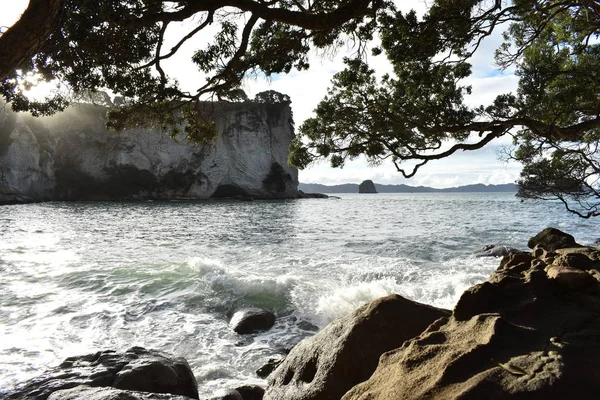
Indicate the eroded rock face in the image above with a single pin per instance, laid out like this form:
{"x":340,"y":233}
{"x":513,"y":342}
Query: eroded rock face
{"x":137,"y":369}
{"x":346,"y":352}
{"x":72,"y":156}
{"x":531,"y":331}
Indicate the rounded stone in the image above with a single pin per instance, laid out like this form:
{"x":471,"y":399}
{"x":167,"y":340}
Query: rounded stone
{"x":251,"y":320}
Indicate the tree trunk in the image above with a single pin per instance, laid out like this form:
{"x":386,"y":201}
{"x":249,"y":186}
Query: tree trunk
{"x":26,"y":37}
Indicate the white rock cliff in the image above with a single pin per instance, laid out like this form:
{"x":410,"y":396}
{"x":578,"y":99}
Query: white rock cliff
{"x":72,"y":156}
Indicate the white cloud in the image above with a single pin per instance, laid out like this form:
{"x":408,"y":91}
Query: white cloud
{"x":485,"y":90}
{"x":11,"y":11}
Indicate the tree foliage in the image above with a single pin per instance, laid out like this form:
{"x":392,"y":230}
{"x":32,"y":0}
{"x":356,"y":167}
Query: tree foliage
{"x":411,"y":116}
{"x":418,"y":113}
{"x":119,"y":45}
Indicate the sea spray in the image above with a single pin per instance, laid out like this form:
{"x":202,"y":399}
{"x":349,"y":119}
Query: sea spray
{"x":83,"y":277}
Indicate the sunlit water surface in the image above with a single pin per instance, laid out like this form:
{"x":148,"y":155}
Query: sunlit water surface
{"x":82,"y":277}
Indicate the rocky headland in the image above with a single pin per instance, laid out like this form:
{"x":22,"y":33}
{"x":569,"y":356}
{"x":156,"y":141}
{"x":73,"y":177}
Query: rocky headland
{"x":72,"y":156}
{"x":531,"y":331}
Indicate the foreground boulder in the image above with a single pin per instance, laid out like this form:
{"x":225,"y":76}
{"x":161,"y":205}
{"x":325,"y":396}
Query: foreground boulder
{"x":346,"y":352}
{"x":137,"y":369}
{"x":107,"y":393}
{"x":251,"y":320}
{"x":531,"y":331}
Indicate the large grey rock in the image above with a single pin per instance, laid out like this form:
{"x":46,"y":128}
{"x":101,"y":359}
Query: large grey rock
{"x":530,"y":332}
{"x":251,"y":320}
{"x":136,"y":369}
{"x":346,"y":351}
{"x":367,"y":187}
{"x":72,"y":156}
{"x":107,"y":393}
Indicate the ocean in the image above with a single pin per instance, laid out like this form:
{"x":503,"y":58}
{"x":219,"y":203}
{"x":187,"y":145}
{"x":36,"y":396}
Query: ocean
{"x":82,"y":277}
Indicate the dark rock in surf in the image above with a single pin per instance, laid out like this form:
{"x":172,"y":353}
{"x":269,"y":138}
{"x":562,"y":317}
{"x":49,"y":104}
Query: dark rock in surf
{"x":108,"y":393}
{"x":246,"y":392}
{"x":367,"y":187}
{"x":137,"y":369}
{"x":492,"y":250}
{"x":551,"y":239}
{"x":251,"y":320}
{"x":346,"y":352}
{"x":302,"y":195}
{"x":230,"y":394}
{"x":251,"y":392}
{"x":270,"y":366}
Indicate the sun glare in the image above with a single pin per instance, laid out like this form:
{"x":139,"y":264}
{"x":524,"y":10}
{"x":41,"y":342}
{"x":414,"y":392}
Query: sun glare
{"x":35,"y":87}
{"x":11,"y":13}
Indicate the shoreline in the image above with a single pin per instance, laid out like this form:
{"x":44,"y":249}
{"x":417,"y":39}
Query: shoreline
{"x":558,"y":274}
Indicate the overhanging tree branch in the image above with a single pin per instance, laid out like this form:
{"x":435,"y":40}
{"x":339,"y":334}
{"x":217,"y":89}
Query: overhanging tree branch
{"x":307,"y":19}
{"x":27,"y":36}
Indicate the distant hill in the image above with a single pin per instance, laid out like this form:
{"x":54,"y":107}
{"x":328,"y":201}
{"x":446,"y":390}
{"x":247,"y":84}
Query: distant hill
{"x":353,"y":188}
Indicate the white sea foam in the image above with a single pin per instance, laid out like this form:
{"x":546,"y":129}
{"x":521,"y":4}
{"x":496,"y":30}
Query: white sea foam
{"x":443,"y":286}
{"x":90,"y":277}
{"x":344,"y":300}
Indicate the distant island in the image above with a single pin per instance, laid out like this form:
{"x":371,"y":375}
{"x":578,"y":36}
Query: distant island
{"x":353,"y":188}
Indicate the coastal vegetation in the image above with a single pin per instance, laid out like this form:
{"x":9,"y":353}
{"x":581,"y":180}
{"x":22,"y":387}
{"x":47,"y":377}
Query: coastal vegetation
{"x":418,"y":113}
{"x":412,"y":116}
{"x":233,"y":287}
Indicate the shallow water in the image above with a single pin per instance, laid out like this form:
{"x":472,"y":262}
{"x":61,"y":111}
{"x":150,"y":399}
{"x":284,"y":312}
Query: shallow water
{"x":82,"y":277}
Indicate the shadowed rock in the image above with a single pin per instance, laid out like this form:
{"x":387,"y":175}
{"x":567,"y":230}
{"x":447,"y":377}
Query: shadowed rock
{"x":251,"y":392}
{"x":493,"y":250}
{"x":303,"y":195}
{"x":229,"y":394}
{"x":268,"y":367}
{"x":136,"y":369}
{"x":246,"y":392}
{"x":551,"y":239}
{"x":346,"y":352}
{"x":106,"y":393}
{"x":367,"y":187}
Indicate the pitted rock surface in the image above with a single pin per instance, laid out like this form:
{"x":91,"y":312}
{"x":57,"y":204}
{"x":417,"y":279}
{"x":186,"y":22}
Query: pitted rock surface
{"x":346,"y":352}
{"x":531,"y":331}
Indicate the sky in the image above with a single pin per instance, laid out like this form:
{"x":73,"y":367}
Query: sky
{"x":307,"y":88}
